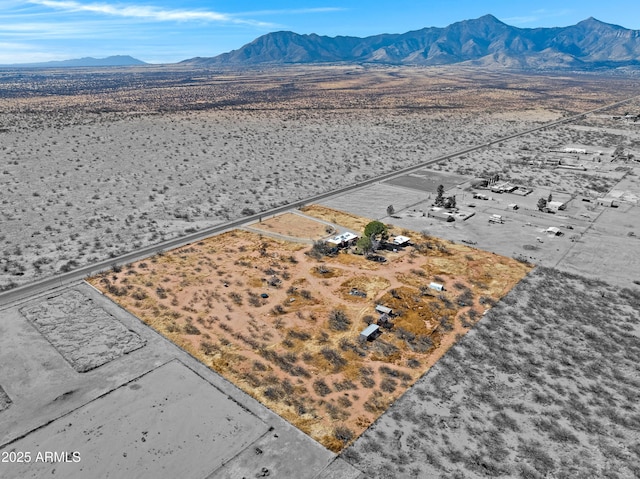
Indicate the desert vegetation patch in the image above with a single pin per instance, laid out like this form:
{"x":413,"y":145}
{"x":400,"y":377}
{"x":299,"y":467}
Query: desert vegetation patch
{"x":283,"y":321}
{"x":5,"y":400}
{"x":546,"y":385}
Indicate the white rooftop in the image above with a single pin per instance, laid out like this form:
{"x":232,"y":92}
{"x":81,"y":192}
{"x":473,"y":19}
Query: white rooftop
{"x":401,"y":239}
{"x":343,"y":238}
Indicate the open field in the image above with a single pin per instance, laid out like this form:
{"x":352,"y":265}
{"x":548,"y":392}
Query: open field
{"x":141,"y":155}
{"x":546,"y":385}
{"x":284,"y":327}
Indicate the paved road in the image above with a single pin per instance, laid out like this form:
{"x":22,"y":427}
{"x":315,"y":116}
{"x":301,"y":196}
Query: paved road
{"x":30,"y":289}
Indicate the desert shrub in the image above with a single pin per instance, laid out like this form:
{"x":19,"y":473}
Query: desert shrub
{"x":367,"y":382}
{"x":503,"y":422}
{"x":376,"y":404}
{"x":68,"y":266}
{"x":388,"y":385}
{"x":301,"y":335}
{"x":236,"y":298}
{"x":413,"y":363}
{"x":345,"y":385}
{"x":368,"y":319}
{"x":322,"y":269}
{"x":306,"y":294}
{"x":139,"y":294}
{"x":320,"y":249}
{"x":465,"y":298}
{"x":487,"y":300}
{"x":338,"y":320}
{"x":161,"y":292}
{"x":321,"y":388}
{"x":366,"y":377}
{"x":343,"y":434}
{"x":208,"y":348}
{"x":273,"y":393}
{"x":333,"y":357}
{"x":258,"y":366}
{"x":534,"y":453}
{"x":445,"y":323}
{"x":336,"y":413}
{"x":190,"y":328}
{"x":173,"y":328}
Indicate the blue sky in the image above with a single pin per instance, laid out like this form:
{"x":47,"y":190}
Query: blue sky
{"x":164,"y":31}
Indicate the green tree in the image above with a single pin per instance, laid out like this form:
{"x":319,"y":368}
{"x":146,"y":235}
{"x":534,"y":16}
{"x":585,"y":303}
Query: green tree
{"x":542,"y":204}
{"x":364,"y":245}
{"x":376,"y":230}
{"x":440,"y":195}
{"x":450,"y":202}
{"x":550,"y":198}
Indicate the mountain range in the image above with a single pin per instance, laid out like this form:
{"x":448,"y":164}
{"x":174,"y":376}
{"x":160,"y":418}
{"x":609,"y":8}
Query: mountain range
{"x":112,"y":61}
{"x":485,"y":41}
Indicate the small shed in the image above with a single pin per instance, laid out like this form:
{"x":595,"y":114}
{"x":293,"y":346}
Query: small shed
{"x":436,"y":286}
{"x":370,"y":333}
{"x":441,"y":215}
{"x":401,"y":240}
{"x":606,"y":202}
{"x":556,"y":205}
{"x":383,"y":310}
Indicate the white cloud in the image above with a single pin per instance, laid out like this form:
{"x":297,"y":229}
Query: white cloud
{"x":146,"y":12}
{"x":536,"y":16}
{"x":293,"y":11}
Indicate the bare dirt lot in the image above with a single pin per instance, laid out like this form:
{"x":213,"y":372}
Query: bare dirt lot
{"x":285,"y":326}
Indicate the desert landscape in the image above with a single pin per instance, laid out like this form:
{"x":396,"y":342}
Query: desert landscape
{"x":131,"y":160}
{"x":231,"y":352}
{"x":282,"y":321}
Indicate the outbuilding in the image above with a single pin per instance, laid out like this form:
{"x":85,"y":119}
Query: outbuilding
{"x":343,"y":240}
{"x":606,"y":202}
{"x":370,"y":333}
{"x":441,"y":215}
{"x":436,"y":286}
{"x":401,"y":240}
{"x":556,"y":205}
{"x":383,"y":310}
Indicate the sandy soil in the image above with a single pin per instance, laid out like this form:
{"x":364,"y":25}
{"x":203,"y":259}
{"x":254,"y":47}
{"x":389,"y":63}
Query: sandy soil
{"x":285,"y":349}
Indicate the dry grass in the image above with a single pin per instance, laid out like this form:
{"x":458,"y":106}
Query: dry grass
{"x":206,"y":298}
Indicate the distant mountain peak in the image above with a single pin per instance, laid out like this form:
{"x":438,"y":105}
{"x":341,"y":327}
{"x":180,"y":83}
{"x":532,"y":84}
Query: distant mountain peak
{"x":111,"y":61}
{"x":483,"y":41}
